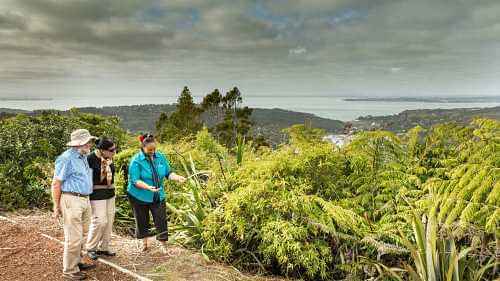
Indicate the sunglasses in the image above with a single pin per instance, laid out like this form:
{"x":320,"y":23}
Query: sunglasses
{"x":112,"y":149}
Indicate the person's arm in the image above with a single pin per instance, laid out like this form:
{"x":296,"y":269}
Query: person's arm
{"x":142,"y":185}
{"x":95,"y":166}
{"x":134,"y":174}
{"x":56,"y":197}
{"x":171,"y":175}
{"x":61,"y":172}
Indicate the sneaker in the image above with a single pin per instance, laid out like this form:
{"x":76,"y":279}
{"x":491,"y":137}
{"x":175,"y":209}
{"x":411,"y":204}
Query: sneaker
{"x":75,"y":276}
{"x":106,"y":253}
{"x":93,"y":255}
{"x":86,"y":266}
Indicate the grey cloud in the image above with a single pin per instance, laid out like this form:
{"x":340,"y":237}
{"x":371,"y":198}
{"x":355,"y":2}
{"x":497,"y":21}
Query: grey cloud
{"x":92,"y":26}
{"x":77,"y":10}
{"x":11,"y":20}
{"x":320,"y":40}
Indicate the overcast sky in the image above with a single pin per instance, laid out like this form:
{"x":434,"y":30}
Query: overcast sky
{"x":298,"y":47}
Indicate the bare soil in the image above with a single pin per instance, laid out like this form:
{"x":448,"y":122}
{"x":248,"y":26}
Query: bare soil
{"x":27,"y":255}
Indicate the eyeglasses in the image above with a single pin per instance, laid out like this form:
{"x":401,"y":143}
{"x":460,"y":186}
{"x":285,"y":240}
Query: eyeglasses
{"x":113,"y":149}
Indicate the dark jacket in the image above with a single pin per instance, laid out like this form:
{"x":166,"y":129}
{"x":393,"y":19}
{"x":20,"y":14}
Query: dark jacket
{"x":95,"y":165}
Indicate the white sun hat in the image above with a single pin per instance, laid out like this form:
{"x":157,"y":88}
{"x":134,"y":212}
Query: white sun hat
{"x":80,"y":137}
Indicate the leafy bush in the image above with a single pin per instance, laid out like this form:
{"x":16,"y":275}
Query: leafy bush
{"x":279,"y":214}
{"x":306,"y":209}
{"x":438,"y":258}
{"x":311,"y":211}
{"x":29,"y":146}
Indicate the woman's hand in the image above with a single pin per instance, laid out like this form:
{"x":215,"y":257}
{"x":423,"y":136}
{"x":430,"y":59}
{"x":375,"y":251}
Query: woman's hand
{"x":177,"y":178}
{"x":143,"y":185}
{"x":181,"y":179}
{"x":152,"y":188}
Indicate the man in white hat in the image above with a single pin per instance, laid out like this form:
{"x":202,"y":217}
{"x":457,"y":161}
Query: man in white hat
{"x":71,"y":186}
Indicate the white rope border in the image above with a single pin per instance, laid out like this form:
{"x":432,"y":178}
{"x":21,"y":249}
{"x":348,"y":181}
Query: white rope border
{"x":113,"y":265}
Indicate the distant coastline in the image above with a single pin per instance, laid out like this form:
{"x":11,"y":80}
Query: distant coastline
{"x":333,"y":108}
{"x":25,"y":99}
{"x":428,"y":99}
{"x":271,"y":122}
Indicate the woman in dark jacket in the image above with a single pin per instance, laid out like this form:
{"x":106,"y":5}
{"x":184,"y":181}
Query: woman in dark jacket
{"x":102,"y":199}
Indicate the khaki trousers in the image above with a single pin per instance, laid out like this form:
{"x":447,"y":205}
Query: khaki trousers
{"x":101,"y":224}
{"x":76,"y":216}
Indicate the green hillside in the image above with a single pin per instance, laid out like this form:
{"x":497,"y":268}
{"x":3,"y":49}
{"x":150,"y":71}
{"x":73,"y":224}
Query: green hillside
{"x":408,"y":119}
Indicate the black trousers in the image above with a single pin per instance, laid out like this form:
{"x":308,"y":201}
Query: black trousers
{"x":141,"y":214}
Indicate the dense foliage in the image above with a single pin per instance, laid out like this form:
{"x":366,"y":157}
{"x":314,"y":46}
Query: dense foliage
{"x":419,"y":206}
{"x":29,"y":146}
{"x":318,"y":212}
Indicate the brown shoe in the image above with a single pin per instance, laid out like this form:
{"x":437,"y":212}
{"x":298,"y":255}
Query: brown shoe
{"x":75,"y":276}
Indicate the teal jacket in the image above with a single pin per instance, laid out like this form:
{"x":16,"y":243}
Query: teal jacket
{"x":140,"y":169}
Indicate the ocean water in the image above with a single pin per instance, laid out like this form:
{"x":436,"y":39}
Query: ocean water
{"x":327,"y":107}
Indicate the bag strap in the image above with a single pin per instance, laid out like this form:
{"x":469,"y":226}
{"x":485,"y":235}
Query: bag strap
{"x":156,"y":178}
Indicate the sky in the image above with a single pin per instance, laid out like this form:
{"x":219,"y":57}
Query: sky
{"x":130,"y":48}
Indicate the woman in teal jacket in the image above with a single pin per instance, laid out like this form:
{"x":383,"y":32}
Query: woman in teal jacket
{"x":147,"y":171}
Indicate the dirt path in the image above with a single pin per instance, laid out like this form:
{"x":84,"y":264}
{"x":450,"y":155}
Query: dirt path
{"x":26,"y":255}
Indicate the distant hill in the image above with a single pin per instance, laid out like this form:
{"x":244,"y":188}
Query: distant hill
{"x":268,"y":122}
{"x":408,"y":119}
{"x":7,"y":112}
{"x":12,"y":111}
{"x":135,"y":118}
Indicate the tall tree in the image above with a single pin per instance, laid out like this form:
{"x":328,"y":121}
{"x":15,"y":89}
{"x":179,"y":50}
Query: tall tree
{"x":236,"y":118}
{"x":184,"y":121}
{"x":213,"y":112}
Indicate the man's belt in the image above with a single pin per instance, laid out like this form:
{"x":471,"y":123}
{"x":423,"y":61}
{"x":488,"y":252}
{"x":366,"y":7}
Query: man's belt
{"x":75,"y":194}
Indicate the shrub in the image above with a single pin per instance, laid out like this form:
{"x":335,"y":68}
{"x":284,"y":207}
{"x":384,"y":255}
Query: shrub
{"x":29,"y":146}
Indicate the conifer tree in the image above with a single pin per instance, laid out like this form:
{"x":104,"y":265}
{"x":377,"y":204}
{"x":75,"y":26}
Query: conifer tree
{"x":185,"y":121}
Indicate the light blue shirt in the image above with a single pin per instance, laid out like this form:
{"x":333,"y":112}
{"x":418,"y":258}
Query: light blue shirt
{"x":73,"y":170}
{"x":140,"y":169}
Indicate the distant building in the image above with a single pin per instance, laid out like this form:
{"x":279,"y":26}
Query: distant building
{"x":338,"y":140}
